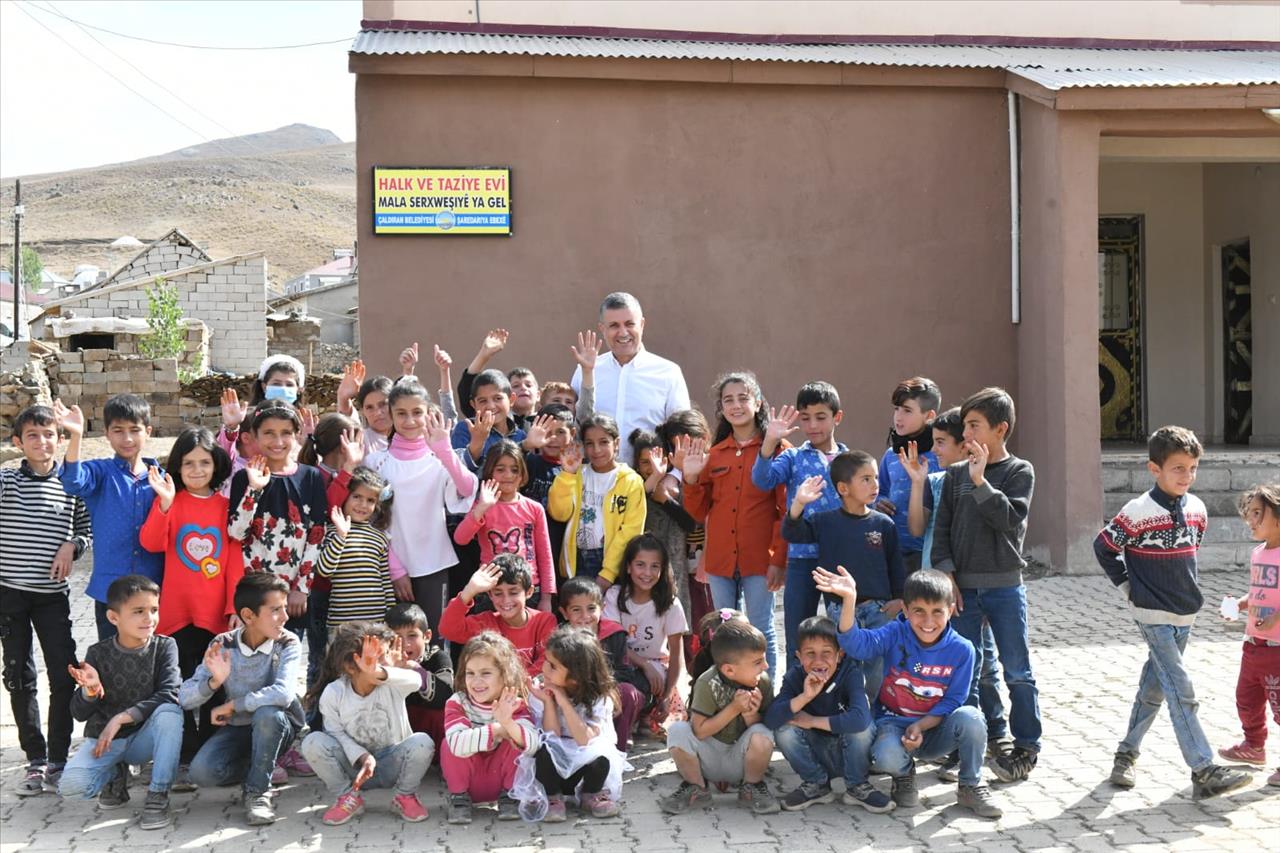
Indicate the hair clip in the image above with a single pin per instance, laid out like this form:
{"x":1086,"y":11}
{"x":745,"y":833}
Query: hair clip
{"x":725,"y":614}
{"x":385,"y":494}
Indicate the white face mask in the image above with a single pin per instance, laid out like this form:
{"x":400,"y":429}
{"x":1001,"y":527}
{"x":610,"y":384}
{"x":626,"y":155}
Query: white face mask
{"x":281,"y":392}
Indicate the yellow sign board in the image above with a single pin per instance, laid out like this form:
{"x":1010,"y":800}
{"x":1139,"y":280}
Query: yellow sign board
{"x":441,"y":201}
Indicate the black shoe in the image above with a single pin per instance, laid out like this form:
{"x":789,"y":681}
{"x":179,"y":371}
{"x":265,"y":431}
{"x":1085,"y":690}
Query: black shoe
{"x":998,"y":746}
{"x":457,"y":808}
{"x":155,"y":811}
{"x":1014,"y":766}
{"x":508,"y":807}
{"x":115,"y":794}
{"x":1215,"y":780}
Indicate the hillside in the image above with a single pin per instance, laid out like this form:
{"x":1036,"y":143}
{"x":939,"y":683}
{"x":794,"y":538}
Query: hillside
{"x":296,"y":205}
{"x":293,"y":137}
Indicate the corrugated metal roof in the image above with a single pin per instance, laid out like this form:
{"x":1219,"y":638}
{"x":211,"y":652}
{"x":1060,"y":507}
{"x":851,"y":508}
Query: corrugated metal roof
{"x":1051,"y":67}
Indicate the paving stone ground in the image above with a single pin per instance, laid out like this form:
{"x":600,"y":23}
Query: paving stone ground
{"x":1086,"y":653}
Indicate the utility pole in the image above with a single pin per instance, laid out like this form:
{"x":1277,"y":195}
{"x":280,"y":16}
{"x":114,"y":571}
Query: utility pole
{"x":17,"y":259}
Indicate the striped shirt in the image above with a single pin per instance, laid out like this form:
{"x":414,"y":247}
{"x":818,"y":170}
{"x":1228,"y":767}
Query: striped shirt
{"x":357,"y":567}
{"x":470,"y":728}
{"x":36,"y":519}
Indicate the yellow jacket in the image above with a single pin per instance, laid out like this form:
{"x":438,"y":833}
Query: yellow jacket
{"x":624,"y":512}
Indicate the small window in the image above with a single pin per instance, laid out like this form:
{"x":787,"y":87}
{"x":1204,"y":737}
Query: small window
{"x":91,"y":341}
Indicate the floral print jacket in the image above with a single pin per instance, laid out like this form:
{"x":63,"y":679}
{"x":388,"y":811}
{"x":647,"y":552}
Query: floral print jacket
{"x":280,"y":527}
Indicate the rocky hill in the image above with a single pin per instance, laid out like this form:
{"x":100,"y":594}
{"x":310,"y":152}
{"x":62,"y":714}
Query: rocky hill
{"x":290,"y":192}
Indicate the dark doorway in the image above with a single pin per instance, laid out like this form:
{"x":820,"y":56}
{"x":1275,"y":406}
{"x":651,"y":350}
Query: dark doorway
{"x":1237,"y":339}
{"x":91,"y":340}
{"x":1120,"y":284}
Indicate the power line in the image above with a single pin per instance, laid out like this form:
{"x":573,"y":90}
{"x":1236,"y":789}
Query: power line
{"x":196,"y":46}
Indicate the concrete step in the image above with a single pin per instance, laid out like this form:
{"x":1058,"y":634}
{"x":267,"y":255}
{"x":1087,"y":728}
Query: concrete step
{"x":1219,"y":504}
{"x":1129,"y":477}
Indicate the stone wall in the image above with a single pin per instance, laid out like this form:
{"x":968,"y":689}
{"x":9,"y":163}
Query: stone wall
{"x":26,"y":386}
{"x":229,"y":296}
{"x":168,"y":255}
{"x":89,"y":377}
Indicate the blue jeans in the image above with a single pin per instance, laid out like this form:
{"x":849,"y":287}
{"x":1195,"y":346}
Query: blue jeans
{"x":800,"y":598}
{"x":159,"y":740}
{"x":818,"y":756}
{"x":989,"y":687}
{"x":754,"y":591}
{"x":1165,"y":680}
{"x":963,"y":731}
{"x":1005,"y":608}
{"x":869,"y":615}
{"x":244,"y":753}
{"x":400,"y":767}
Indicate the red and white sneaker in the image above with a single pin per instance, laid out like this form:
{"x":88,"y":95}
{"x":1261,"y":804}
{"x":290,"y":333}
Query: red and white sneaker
{"x":279,"y":776}
{"x":1242,"y":753}
{"x":348,"y":806}
{"x":409,"y":807}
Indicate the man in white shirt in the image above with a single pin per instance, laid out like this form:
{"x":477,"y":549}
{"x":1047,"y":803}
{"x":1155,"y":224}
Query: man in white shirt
{"x":634,"y":386}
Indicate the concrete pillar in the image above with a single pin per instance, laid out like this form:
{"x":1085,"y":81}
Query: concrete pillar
{"x":1058,"y":426}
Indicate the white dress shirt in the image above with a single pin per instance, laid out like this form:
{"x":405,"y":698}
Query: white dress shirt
{"x":644,"y":392}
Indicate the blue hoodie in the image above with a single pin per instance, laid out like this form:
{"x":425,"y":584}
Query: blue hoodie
{"x":918,"y":680}
{"x":843,"y":700}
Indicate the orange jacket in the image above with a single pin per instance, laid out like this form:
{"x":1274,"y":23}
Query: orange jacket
{"x":744,"y":524}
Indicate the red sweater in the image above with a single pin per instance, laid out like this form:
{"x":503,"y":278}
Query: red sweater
{"x":202,"y":565}
{"x":530,"y":639}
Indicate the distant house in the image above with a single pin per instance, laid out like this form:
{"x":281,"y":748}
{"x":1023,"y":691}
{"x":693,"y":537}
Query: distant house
{"x":29,"y":306}
{"x":331,"y":273}
{"x":228,"y":295}
{"x":332,"y":303}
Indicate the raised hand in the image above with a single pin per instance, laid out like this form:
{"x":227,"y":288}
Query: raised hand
{"x":443,"y":360}
{"x":162,"y":485}
{"x":535,"y":436}
{"x":352,"y":378}
{"x":393,"y":655}
{"x":341,"y":521}
{"x":258,"y":473}
{"x":695,"y":459}
{"x":438,"y":429}
{"x":218,"y":661}
{"x":86,"y":677}
{"x":586,"y":351}
{"x":370,"y":657}
{"x":409,"y":359}
{"x":308,"y":416}
{"x":978,"y":456}
{"x":782,"y":422}
{"x":352,"y":449}
{"x":71,"y":420}
{"x":658,"y":461}
{"x":839,"y":583}
{"x":810,"y":490}
{"x":494,"y":341}
{"x":480,"y":426}
{"x":916,"y":467}
{"x":233,"y":411}
{"x":571,"y":458}
{"x":485,"y":578}
{"x":486,"y":497}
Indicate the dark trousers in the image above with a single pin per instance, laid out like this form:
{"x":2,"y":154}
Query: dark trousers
{"x":197,"y":726}
{"x":591,"y":775}
{"x":105,"y":629}
{"x":47,"y":615}
{"x":317,"y":632}
{"x":430,"y":593}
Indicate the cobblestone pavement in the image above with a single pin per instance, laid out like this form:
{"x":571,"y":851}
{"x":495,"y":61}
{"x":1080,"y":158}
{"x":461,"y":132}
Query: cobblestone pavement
{"x":1087,"y":655}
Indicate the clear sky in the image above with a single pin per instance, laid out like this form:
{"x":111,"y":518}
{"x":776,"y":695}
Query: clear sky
{"x":59,"y":111}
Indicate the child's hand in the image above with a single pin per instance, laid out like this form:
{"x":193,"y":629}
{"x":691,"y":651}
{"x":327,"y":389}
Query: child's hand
{"x":341,"y":522}
{"x":586,"y":351}
{"x":782,"y":422}
{"x":481,"y":425}
{"x":403,"y":588}
{"x":695,"y":458}
{"x":367,"y":764}
{"x":892,"y":608}
{"x":803,"y":720}
{"x":917,"y":468}
{"x":258,"y":473}
{"x":352,"y":449}
{"x":813,"y":684}
{"x":978,"y":456}
{"x":409,"y":359}
{"x":535,"y":437}
{"x":912,"y":737}
{"x":162,"y":485}
{"x":233,"y":411}
{"x":485,"y":579}
{"x":505,"y":707}
{"x":218,"y":661}
{"x":658,"y":460}
{"x":486,"y":497}
{"x":296,"y":604}
{"x":370,"y":656}
{"x":571,"y":458}
{"x":744,"y":700}
{"x":63,"y":561}
{"x":839,"y":583}
{"x":352,"y":378}
{"x":109,"y":733}
{"x":494,"y":341}
{"x":438,"y":429}
{"x":86,"y":677}
{"x":538,"y":691}
{"x":71,"y":420}
{"x":221,"y":715}
{"x":233,"y":622}
{"x":443,"y":360}
{"x":393,"y":655}
{"x":810,"y":490}
{"x":657,"y":680}
{"x":886,"y":506}
{"x":308,"y":416}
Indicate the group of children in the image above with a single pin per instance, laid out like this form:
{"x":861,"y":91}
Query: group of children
{"x":572,"y":592}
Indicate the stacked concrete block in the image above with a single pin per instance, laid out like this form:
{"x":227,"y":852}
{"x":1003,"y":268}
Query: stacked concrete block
{"x":90,"y":377}
{"x":26,"y":386}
